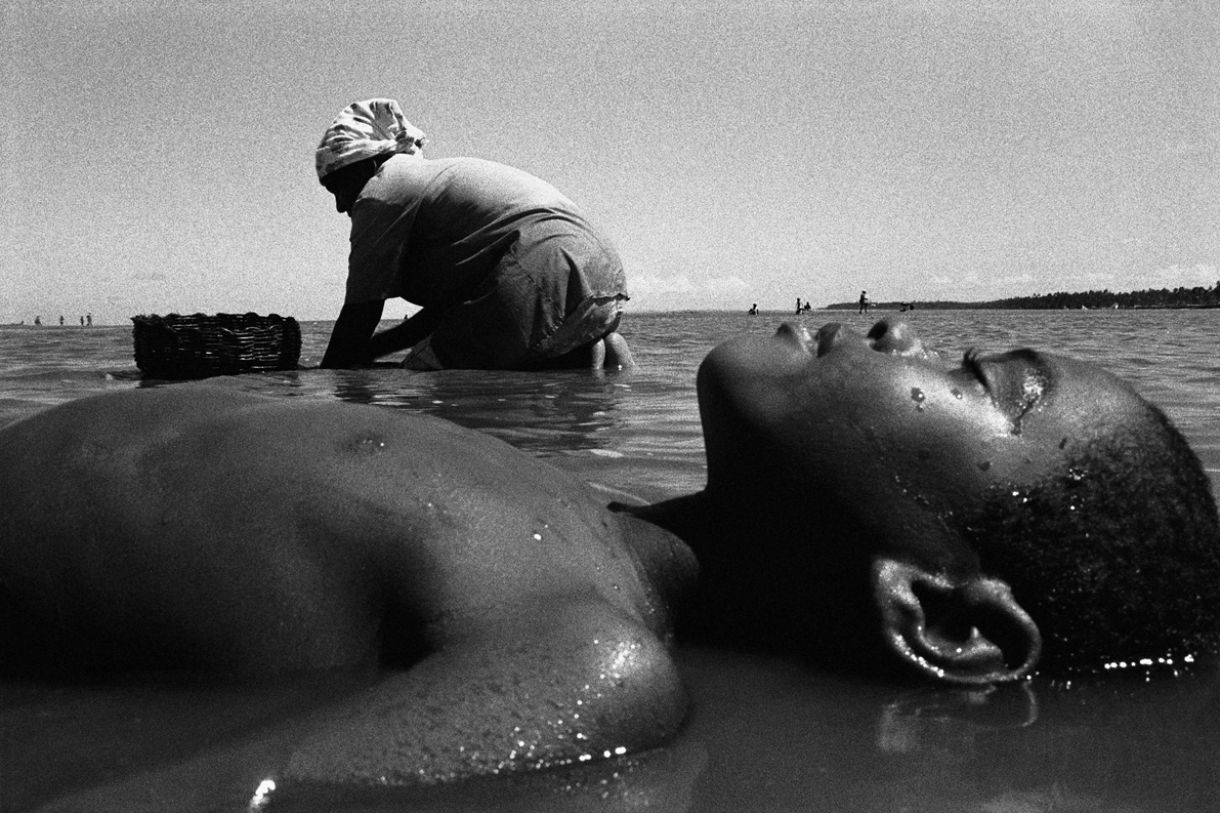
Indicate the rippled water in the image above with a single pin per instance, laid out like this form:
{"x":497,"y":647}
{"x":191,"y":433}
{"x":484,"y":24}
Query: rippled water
{"x":765,"y":734}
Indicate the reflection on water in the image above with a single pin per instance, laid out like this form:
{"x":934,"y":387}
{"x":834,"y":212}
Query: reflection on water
{"x":917,"y":719}
{"x":538,"y":413}
{"x":764,"y":734}
{"x":1101,"y":746}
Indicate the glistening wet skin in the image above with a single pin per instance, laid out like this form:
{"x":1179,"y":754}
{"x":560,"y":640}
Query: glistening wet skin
{"x":1016,"y":381}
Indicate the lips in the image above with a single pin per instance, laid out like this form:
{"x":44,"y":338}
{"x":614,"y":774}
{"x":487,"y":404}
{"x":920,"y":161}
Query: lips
{"x":797,"y":336}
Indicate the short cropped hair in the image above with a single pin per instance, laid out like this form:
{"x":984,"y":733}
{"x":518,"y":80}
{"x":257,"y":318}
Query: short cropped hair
{"x":1117,"y":556}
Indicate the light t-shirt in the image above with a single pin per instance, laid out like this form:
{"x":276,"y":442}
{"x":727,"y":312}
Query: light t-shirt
{"x":431,"y":230}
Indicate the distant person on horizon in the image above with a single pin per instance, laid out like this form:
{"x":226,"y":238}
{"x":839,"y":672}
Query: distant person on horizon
{"x":509,"y":273}
{"x":754,"y":309}
{"x":798,"y":306}
{"x":864,"y":302}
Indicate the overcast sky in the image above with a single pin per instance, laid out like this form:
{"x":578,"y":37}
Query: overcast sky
{"x":158,"y":156}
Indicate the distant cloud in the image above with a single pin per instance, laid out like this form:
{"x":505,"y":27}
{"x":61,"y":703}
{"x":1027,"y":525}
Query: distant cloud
{"x":683,"y":284}
{"x":950,"y":280}
{"x":1190,"y":149}
{"x":679,"y":291}
{"x":1187,"y":276}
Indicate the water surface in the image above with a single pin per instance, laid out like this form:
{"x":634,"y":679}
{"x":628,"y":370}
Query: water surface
{"x":765,"y":734}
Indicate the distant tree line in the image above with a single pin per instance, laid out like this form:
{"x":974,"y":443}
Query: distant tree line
{"x":1197,"y":297}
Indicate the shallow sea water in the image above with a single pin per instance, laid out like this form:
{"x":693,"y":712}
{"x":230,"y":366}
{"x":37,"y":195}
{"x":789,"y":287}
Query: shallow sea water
{"x":765,"y":734}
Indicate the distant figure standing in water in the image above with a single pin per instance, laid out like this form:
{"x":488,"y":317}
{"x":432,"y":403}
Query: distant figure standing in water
{"x":754,"y":309}
{"x":509,"y":273}
{"x":798,"y":306}
{"x":864,"y":302}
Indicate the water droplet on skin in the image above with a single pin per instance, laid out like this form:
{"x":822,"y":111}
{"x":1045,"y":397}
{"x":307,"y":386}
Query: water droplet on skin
{"x":956,"y":393}
{"x":918,"y":397}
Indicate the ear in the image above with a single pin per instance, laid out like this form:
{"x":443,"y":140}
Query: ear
{"x":964,"y":631}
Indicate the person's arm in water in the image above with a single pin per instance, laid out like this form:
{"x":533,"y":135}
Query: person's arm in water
{"x":354,"y":344}
{"x":407,"y":334}
{"x":351,"y":340}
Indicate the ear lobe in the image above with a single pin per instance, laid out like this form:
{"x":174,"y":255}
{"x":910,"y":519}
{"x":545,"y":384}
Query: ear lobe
{"x":966,"y":632}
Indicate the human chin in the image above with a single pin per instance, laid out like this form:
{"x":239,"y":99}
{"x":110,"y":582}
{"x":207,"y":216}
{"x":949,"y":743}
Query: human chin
{"x":751,"y":382}
{"x":746,"y":357}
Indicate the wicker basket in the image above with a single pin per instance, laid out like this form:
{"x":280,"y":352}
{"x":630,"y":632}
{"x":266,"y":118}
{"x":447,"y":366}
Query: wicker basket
{"x":198,"y":346}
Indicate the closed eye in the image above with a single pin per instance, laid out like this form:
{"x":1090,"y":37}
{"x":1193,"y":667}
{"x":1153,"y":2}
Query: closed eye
{"x":970,"y":363}
{"x":1016,"y":381}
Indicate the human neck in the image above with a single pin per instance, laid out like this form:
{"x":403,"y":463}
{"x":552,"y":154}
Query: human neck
{"x":721,"y":525}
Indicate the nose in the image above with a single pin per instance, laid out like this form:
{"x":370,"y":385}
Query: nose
{"x":896,"y":338}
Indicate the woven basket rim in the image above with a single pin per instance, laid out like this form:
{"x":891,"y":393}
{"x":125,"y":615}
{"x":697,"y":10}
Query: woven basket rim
{"x":200,"y":345}
{"x":209,"y":317}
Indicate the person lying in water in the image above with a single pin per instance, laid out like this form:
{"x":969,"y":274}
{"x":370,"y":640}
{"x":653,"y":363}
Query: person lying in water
{"x":866,"y":506}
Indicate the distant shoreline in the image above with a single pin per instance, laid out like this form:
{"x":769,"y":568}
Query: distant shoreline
{"x":1179,"y":299}
{"x":1147,"y":299}
{"x":990,"y":306}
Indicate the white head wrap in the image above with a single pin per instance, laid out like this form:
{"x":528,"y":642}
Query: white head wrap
{"x":363,"y":130}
